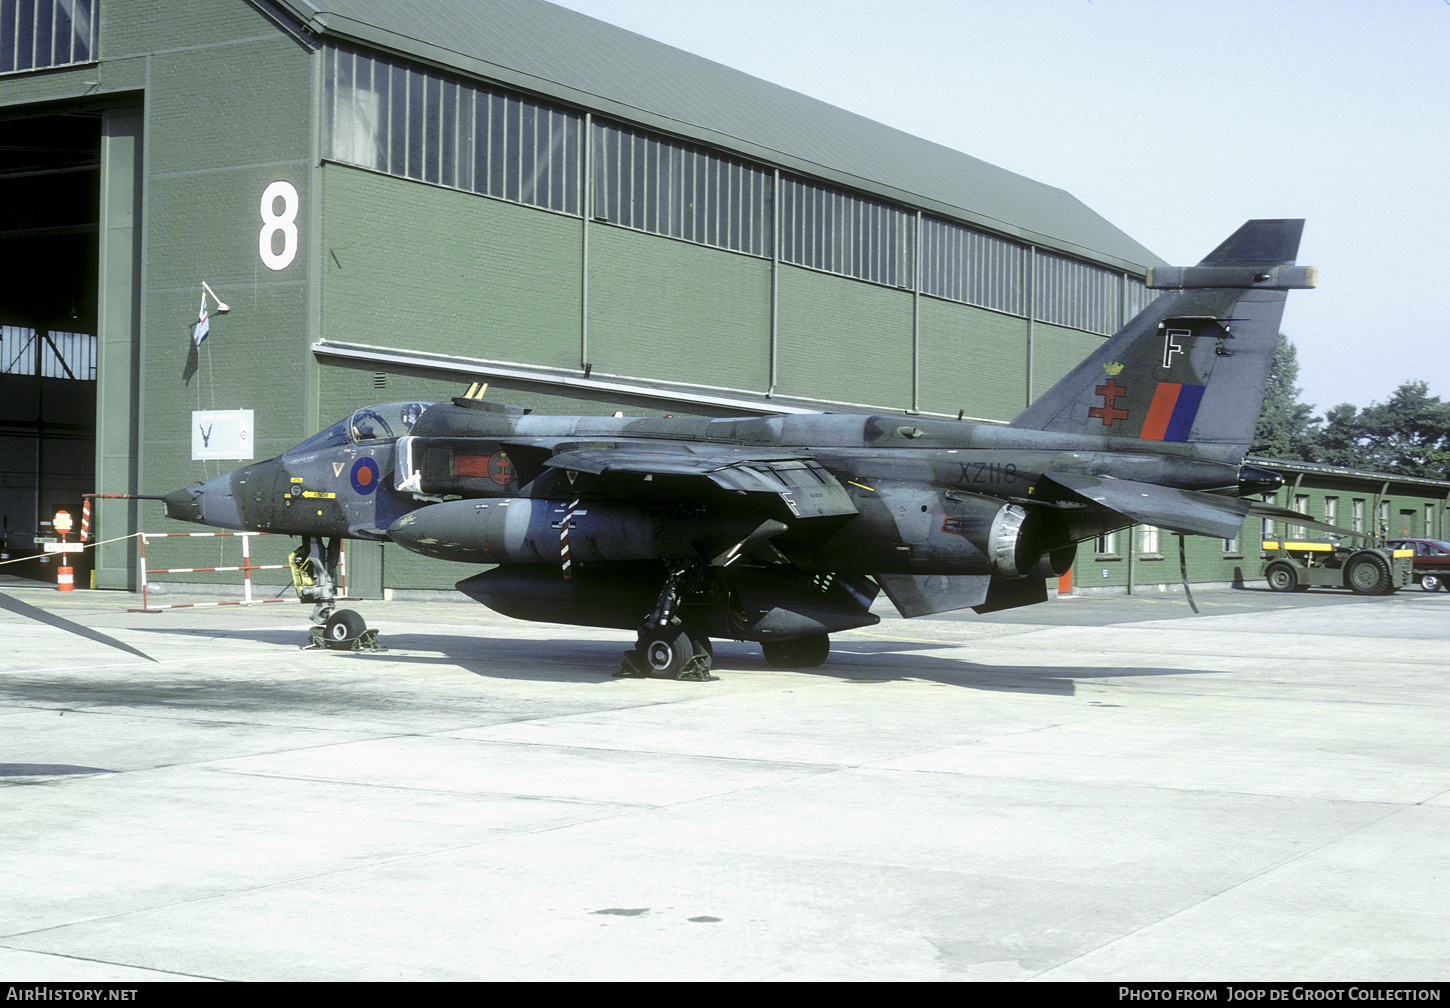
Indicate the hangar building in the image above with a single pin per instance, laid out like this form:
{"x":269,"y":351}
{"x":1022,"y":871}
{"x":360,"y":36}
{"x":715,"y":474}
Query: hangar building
{"x":394,"y":198}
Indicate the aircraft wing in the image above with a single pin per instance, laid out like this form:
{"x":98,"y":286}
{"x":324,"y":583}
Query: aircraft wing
{"x":806,"y":488}
{"x":1191,"y":511}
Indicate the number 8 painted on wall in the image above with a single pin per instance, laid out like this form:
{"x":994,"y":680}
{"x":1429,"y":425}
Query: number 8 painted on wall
{"x":273,"y":222}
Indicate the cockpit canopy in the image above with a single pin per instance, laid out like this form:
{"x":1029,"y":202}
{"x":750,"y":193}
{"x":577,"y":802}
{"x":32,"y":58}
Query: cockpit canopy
{"x":369,"y":424}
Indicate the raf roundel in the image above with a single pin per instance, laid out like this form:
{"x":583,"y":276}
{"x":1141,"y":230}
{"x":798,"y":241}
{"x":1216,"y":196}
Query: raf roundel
{"x":364,"y":476}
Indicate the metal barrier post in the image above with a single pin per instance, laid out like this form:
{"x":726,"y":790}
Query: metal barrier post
{"x":246,"y":570}
{"x":141,"y":548}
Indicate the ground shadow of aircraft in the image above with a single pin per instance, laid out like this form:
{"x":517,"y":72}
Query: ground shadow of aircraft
{"x":573,"y":660}
{"x":781,"y":530}
{"x":564,"y":661}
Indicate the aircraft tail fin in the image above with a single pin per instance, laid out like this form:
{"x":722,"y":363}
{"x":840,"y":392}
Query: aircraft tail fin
{"x":1193,"y":365}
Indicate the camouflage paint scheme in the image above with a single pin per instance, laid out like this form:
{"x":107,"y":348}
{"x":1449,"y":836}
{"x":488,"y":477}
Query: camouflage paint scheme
{"x":783,"y":529}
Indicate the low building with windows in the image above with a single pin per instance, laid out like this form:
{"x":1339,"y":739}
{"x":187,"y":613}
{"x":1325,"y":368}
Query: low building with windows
{"x":230,"y":222}
{"x":1382,"y":505}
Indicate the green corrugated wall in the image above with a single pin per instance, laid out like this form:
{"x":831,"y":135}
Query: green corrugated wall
{"x":422,"y":267}
{"x":972,"y":360}
{"x":843,"y":340}
{"x":674,"y":311}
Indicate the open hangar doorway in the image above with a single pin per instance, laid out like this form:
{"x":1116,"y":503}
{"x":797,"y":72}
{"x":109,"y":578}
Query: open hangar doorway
{"x":49,"y":216}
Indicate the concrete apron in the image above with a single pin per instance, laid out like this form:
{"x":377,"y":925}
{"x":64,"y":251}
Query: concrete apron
{"x":1259,"y":795}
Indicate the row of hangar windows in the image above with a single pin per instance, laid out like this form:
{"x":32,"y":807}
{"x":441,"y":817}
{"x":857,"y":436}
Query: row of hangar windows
{"x":397,"y":119}
{"x":389,"y":117}
{"x":46,"y":33}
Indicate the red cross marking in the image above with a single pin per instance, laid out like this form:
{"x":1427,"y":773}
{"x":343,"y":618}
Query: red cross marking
{"x":1109,"y":410}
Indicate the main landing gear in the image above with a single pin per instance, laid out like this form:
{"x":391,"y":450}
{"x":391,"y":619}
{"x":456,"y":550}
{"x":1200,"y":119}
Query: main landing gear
{"x":666,"y":648}
{"x":314,"y":574}
{"x":669,"y":648}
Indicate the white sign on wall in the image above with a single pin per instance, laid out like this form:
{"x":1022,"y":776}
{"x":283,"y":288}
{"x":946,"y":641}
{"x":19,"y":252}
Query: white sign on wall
{"x":221,"y":434}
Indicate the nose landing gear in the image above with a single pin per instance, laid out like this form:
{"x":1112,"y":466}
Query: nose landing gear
{"x":314,"y":574}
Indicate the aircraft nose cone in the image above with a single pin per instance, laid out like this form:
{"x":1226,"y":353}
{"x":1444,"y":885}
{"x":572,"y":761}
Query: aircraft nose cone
{"x":209,"y":503}
{"x":185,"y":504}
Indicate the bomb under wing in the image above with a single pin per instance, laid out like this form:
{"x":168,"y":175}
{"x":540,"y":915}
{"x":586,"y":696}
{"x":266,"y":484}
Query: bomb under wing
{"x":783,"y":529}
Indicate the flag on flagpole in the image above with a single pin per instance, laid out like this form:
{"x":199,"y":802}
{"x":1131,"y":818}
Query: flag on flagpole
{"x":203,"y":323}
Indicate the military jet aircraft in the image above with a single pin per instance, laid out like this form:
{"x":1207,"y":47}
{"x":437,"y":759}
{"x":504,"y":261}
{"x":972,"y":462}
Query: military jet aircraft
{"x":783,"y":529}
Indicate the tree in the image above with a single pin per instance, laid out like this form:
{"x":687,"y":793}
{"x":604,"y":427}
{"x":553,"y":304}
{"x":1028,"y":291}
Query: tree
{"x":1408,"y":435}
{"x":1338,"y":442}
{"x":1286,"y":425}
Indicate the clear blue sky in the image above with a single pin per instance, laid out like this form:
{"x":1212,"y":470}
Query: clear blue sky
{"x":1176,"y":120}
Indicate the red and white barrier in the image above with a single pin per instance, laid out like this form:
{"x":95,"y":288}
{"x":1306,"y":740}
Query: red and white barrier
{"x":246,"y":567}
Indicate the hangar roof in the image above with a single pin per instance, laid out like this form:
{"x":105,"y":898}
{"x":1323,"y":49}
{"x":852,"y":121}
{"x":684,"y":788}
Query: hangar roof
{"x":577,"y":59}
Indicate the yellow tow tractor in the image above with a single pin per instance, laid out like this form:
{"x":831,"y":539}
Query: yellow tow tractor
{"x":1301,"y":564}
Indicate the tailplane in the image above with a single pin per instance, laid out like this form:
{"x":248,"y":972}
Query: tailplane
{"x":1193,"y":365}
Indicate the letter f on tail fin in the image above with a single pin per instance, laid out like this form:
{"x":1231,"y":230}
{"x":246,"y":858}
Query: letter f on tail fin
{"x":1192,"y":366}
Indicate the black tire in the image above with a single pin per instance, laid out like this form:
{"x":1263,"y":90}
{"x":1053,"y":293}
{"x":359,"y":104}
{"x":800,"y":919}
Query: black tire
{"x":663,"y":653}
{"x":1368,"y":574}
{"x":701,"y":645}
{"x":799,"y":652}
{"x":343,"y":625}
{"x":1282,"y":578}
{"x":1432,"y":582}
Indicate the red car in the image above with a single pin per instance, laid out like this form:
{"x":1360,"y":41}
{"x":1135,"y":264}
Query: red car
{"x":1432,"y":561}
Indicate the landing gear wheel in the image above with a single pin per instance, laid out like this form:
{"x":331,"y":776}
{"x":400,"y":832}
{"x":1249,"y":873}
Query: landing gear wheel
{"x":665,"y":652}
{"x":1281,"y":578}
{"x":1368,"y":575}
{"x":1432,"y":582}
{"x":669,"y":653}
{"x":799,"y":652}
{"x":343,"y":625}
